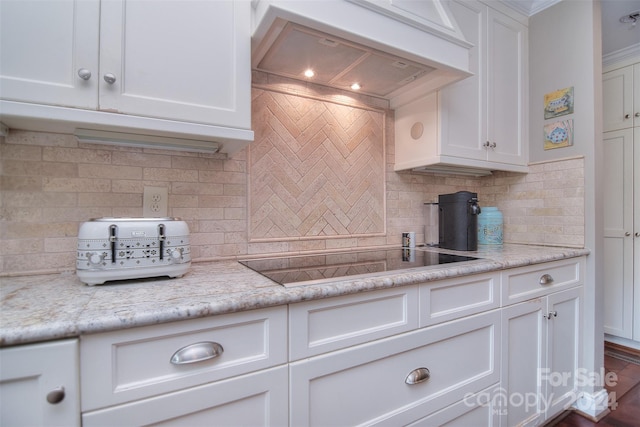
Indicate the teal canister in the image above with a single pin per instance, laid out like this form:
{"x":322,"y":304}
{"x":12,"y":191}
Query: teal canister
{"x":490,"y":226}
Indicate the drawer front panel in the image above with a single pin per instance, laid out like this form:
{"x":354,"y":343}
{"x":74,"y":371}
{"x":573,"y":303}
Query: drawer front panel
{"x":481,"y":409}
{"x":121,"y":366}
{"x":325,"y":325}
{"x":521,"y":284}
{"x":367,"y":384}
{"x":257,"y":399}
{"x":452,"y":299}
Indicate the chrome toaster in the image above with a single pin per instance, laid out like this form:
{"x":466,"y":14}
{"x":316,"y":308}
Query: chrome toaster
{"x":132,"y":248}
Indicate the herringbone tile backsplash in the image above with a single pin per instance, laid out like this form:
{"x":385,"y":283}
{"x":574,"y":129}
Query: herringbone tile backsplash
{"x":316,"y":169}
{"x":319,"y":176}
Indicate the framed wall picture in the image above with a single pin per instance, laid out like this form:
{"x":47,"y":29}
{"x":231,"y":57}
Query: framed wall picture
{"x":558,"y":103}
{"x":558,"y":134}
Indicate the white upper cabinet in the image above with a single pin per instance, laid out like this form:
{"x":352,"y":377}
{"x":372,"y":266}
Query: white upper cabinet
{"x":163,"y":68}
{"x":479,"y":123}
{"x":177,"y":60}
{"x":621,"y":98}
{"x":506,"y":90}
{"x":49,"y":52}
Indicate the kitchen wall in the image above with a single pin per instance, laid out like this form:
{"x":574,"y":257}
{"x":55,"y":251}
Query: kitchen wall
{"x":255,"y":202}
{"x":579,"y":51}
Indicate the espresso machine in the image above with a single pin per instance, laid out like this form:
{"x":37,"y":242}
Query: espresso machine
{"x":458,"y":221}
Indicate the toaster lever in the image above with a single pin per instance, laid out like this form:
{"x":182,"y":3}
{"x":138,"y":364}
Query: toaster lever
{"x":161,"y":238}
{"x":112,"y":240}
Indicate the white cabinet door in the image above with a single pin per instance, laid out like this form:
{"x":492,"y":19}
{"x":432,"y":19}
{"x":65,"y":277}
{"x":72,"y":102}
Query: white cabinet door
{"x":39,"y":385}
{"x":258,"y":399}
{"x":617,"y":97}
{"x":368,"y":384}
{"x":618,"y":225}
{"x":524,"y":354}
{"x":636,"y":95}
{"x":564,"y":323}
{"x":636,"y":230}
{"x":43,"y":47}
{"x":506,"y":89}
{"x":541,"y":350}
{"x":185,"y":61}
{"x":463,"y":102}
{"x":479,"y":122}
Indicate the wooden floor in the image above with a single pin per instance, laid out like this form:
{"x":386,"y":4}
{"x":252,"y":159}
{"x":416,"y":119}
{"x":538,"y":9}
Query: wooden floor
{"x":625,"y":412}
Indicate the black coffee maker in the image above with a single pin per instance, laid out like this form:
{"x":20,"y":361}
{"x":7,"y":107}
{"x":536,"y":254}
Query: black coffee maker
{"x":458,"y":221}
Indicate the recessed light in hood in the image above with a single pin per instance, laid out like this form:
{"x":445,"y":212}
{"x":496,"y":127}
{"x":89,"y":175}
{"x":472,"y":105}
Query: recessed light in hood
{"x":337,"y":62}
{"x":392,"y":49}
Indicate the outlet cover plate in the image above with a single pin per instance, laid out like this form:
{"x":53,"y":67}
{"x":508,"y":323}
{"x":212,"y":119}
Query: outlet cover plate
{"x":155,"y":202}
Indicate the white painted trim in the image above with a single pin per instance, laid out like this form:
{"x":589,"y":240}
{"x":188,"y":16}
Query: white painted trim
{"x":534,"y":7}
{"x":622,"y":341}
{"x":621,"y":58}
{"x":593,"y":405}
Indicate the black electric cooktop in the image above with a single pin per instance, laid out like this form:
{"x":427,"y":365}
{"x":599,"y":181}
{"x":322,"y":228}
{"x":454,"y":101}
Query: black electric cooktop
{"x":307,"y":269}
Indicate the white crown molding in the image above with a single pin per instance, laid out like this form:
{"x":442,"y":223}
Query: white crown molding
{"x":529,"y":8}
{"x":620,"y":57}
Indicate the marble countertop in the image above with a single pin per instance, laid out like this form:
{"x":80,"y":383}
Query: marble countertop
{"x":47,"y":307}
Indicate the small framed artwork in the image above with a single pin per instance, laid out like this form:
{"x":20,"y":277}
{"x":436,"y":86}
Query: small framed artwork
{"x":558,"y":134}
{"x":558,"y":103}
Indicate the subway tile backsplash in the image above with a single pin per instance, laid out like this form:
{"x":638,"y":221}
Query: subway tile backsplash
{"x":50,"y":183}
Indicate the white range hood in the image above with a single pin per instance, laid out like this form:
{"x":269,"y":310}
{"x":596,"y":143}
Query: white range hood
{"x":395,"y":49}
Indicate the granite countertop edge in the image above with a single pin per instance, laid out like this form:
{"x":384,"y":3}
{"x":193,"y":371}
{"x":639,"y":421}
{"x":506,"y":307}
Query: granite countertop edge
{"x":50,"y":307}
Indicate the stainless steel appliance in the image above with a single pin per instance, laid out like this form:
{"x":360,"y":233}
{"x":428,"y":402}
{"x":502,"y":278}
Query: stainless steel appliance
{"x":458,"y":221}
{"x":132,"y":248}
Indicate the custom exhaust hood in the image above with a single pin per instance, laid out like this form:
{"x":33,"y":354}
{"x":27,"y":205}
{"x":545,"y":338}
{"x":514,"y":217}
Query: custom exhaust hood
{"x":393,"y":49}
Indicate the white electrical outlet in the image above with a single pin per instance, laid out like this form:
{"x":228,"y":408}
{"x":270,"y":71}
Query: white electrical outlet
{"x":155,"y":202}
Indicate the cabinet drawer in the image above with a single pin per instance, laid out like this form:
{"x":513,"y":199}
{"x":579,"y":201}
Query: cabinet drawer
{"x":521,"y":284}
{"x":256,"y":399}
{"x":330,"y":324}
{"x":122,"y":366}
{"x":367,"y":384}
{"x":455,"y":298}
{"x":481,"y":409}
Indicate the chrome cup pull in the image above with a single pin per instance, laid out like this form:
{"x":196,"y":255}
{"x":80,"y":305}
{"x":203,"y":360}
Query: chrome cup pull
{"x":417,"y":376}
{"x":546,"y":279}
{"x":198,"y":352}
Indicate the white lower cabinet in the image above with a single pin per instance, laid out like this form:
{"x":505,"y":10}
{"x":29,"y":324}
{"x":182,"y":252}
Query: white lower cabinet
{"x":540,"y":348}
{"x":221,"y":370}
{"x":475,"y":410}
{"x":39,"y":385}
{"x":257,"y":399}
{"x":397,"y":380}
{"x":493,"y":349}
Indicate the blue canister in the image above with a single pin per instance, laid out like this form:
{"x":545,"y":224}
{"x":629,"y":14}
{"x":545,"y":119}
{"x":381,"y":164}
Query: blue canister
{"x":490,"y":226}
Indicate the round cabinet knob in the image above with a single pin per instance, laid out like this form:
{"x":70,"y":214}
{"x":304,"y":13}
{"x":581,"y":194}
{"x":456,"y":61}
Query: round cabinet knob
{"x":110,"y":78}
{"x":627,"y":116}
{"x":56,"y":395}
{"x":627,"y":234}
{"x":637,"y":234}
{"x":637,"y":114}
{"x":84,"y":74}
{"x":95,"y":258}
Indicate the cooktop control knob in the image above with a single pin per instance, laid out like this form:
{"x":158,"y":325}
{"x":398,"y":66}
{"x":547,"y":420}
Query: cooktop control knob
{"x":95,"y":258}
